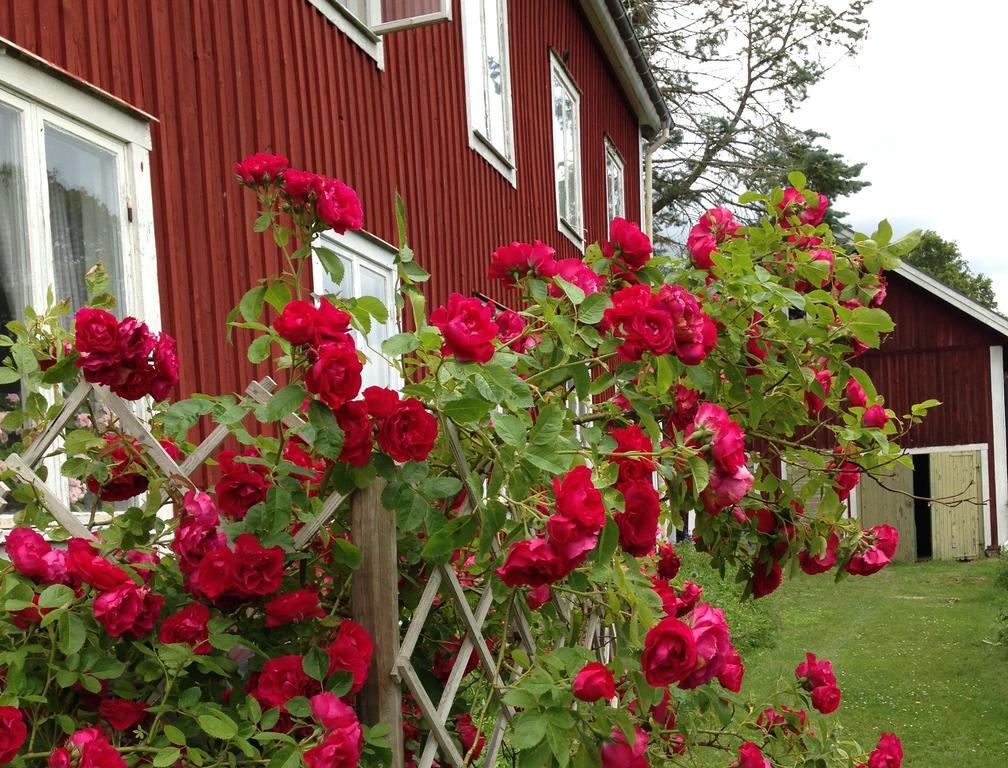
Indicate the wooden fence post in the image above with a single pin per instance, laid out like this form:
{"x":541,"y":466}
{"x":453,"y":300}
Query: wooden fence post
{"x":375,"y":606}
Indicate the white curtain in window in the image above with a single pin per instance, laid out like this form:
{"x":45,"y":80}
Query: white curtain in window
{"x":84,"y":221}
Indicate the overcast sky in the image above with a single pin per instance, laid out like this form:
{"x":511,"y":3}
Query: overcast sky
{"x":924,"y":104}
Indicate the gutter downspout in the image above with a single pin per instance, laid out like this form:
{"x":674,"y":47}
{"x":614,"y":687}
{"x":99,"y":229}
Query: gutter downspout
{"x":649,"y":151}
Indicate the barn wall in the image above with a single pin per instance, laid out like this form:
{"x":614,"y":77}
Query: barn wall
{"x":228,"y":77}
{"x":940,"y":352}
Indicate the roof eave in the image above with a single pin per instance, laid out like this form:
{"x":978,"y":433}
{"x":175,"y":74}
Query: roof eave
{"x":965,"y":304}
{"x":614,"y":30}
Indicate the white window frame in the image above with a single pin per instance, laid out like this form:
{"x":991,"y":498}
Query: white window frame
{"x":501,"y":158}
{"x":43,"y":99}
{"x":559,"y":76}
{"x":614,"y":161}
{"x":356,"y":249}
{"x":366,"y":33}
{"x":94,"y":116}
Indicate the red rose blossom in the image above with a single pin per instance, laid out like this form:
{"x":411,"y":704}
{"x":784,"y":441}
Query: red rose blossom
{"x":669,"y":654}
{"x":122,"y":714}
{"x":353,"y":419}
{"x":408,"y":432}
{"x":261,"y":168}
{"x":468,"y":329}
{"x":513,"y":262}
{"x":627,"y":244}
{"x":296,"y":322}
{"x":668,"y":561}
{"x":339,"y":206}
{"x":189,"y":626}
{"x":593,"y":682}
{"x":751,"y":757}
{"x":351,"y":651}
{"x":12,"y":733}
{"x":335,"y":376}
{"x":281,"y":680}
{"x":618,"y":753}
{"x":258,"y":569}
{"x":293,"y":606}
{"x":888,"y":753}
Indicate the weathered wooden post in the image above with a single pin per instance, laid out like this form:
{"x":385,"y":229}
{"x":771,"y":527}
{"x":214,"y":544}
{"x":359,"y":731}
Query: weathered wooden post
{"x":375,"y":606}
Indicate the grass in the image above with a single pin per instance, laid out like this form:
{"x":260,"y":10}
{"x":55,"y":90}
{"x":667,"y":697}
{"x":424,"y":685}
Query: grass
{"x":913,"y":648}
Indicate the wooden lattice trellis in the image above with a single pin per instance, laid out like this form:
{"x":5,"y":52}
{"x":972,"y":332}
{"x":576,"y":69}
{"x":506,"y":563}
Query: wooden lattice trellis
{"x":375,"y":603}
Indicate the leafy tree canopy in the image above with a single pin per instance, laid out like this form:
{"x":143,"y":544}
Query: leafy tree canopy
{"x":733,"y":73}
{"x":942,"y":259}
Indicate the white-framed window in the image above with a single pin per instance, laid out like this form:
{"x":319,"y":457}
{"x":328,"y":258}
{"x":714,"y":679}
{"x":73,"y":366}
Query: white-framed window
{"x":567,"y":151}
{"x":368,"y":270}
{"x":488,"y":83}
{"x":615,"y":189}
{"x":75,"y":190}
{"x":364,"y":21}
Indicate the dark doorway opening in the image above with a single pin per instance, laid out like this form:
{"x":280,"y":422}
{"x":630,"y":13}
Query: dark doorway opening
{"x":922,"y":508}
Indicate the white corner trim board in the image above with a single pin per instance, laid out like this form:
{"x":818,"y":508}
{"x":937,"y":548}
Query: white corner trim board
{"x":1000,"y":447}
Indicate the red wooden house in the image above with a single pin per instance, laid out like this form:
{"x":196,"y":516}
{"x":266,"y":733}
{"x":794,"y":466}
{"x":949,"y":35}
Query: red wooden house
{"x":946,"y":347}
{"x":120,"y":122}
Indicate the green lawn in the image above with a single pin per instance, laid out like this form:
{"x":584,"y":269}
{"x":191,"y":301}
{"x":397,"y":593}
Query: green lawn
{"x":912,"y":648}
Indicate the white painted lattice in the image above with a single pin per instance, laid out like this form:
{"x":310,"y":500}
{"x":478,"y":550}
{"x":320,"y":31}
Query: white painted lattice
{"x":443,"y":582}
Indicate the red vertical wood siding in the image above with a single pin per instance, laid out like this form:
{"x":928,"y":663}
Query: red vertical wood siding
{"x":937,"y":351}
{"x":228,"y":77}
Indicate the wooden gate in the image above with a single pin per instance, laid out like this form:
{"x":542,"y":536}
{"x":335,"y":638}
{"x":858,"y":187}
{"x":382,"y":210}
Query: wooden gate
{"x":956,"y":512}
{"x":891,"y":505}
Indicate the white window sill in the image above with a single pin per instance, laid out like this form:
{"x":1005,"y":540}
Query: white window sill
{"x":353,"y":28}
{"x":493,"y":155}
{"x":572,"y":233}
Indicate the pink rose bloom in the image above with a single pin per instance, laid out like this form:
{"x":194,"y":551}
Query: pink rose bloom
{"x":814,"y":215}
{"x":713,"y":645}
{"x":815,"y":402}
{"x":751,"y":757}
{"x":578,"y":273}
{"x":855,"y":393}
{"x":726,"y":489}
{"x":714,"y":227}
{"x":617,"y":753}
{"x":339,"y":207}
{"x":330,"y":711}
{"x":875,"y":417}
{"x":511,"y":326}
{"x":727,"y":440}
{"x":813,"y":565}
{"x":883,"y":541}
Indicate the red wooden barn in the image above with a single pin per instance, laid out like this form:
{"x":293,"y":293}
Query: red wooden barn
{"x":120,"y":122}
{"x":949,"y":348}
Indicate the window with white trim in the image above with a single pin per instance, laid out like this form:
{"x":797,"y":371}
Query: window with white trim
{"x":488,"y":83}
{"x":368,"y":270}
{"x":364,"y":21}
{"x":567,"y":151}
{"x":615,"y":191}
{"x":74,"y":191}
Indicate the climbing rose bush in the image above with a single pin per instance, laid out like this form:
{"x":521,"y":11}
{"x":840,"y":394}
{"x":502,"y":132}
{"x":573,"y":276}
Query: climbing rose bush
{"x":545,"y":450}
